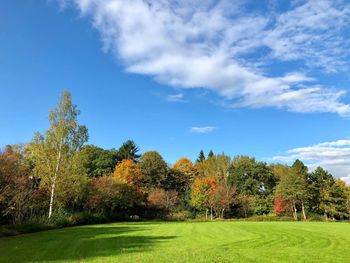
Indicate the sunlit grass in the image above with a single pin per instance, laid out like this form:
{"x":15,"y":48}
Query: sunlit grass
{"x":184,"y":242}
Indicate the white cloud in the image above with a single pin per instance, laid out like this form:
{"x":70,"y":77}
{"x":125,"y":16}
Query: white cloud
{"x":205,"y":129}
{"x":217,"y":46}
{"x":312,"y":32}
{"x":334,"y":156}
{"x":346,"y":179}
{"x":176,"y":98}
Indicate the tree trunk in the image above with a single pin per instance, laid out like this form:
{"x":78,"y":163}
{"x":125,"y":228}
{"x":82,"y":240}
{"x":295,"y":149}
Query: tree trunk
{"x":51,"y":197}
{"x":325,"y":216}
{"x":211,"y":213}
{"x":206,"y":214}
{"x":295,"y":215}
{"x":55,"y":177}
{"x":222,"y":213}
{"x":303,"y":209}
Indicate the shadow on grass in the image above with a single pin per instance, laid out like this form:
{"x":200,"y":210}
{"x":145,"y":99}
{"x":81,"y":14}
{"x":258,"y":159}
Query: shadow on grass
{"x":81,"y":243}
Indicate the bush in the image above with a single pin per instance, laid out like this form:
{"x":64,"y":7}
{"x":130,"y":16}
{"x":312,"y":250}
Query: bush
{"x":180,"y":216}
{"x":315,"y":217}
{"x":59,"y":218}
{"x":86,"y":218}
{"x":270,"y":217}
{"x":134,"y":218}
{"x":12,"y":230}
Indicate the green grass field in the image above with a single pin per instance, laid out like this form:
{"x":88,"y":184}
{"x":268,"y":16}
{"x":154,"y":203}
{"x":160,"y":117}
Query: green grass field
{"x":184,"y":242}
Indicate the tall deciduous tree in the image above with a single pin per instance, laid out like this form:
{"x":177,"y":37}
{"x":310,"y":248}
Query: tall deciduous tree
{"x":293,"y":188}
{"x":16,"y":189}
{"x":94,"y":161}
{"x":220,"y":199}
{"x":129,"y":172}
{"x":162,"y":199}
{"x":53,"y":151}
{"x":154,"y":169}
{"x":111,"y":197}
{"x":185,"y":166}
{"x":201,"y":190}
{"x":251,"y":177}
{"x":301,"y":172}
{"x":216,"y":166}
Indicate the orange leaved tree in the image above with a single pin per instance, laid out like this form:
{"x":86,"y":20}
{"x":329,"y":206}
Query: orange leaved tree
{"x":129,"y":172}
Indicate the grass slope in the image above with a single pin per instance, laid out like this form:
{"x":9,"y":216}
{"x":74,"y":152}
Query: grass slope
{"x":184,"y":242}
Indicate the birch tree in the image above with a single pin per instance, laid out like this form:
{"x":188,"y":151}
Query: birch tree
{"x":292,"y":187}
{"x":53,"y":151}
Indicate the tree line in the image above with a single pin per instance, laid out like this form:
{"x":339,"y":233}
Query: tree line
{"x":58,"y":177}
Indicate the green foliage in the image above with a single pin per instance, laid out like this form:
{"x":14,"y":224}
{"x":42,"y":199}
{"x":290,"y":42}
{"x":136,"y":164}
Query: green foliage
{"x":320,"y":181}
{"x":200,"y":192}
{"x":293,"y":187}
{"x":29,"y":227}
{"x":217,"y":166}
{"x":251,"y":177}
{"x":334,"y":202}
{"x":128,"y":151}
{"x":94,"y":161}
{"x":88,"y":184}
{"x":52,"y":153}
{"x":263,"y":205}
{"x":268,"y":218}
{"x":176,"y":180}
{"x":154,"y":169}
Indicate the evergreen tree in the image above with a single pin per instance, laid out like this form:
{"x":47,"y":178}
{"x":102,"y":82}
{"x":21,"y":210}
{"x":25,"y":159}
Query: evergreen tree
{"x":201,"y":157}
{"x":210,"y":154}
{"x":128,"y":151}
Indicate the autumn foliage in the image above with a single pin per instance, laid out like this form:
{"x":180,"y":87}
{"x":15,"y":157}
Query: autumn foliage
{"x":108,"y":196}
{"x":281,"y":206}
{"x":162,"y":199}
{"x":56,"y":175}
{"x":185,"y":166}
{"x":200,"y":192}
{"x":129,"y":172}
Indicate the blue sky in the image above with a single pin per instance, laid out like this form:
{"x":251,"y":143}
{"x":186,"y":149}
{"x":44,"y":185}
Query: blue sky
{"x":269,"y":80}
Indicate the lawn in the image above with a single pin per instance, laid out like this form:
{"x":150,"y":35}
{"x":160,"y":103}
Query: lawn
{"x":184,"y":242}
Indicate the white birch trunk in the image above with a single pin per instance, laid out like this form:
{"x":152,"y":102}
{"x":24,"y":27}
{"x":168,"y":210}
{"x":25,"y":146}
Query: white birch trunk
{"x":54,"y":178}
{"x":295,"y":215}
{"x":303,"y":210}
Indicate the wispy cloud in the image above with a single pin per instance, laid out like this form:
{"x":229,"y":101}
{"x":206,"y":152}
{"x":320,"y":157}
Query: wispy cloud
{"x":221,"y":46}
{"x":176,"y":98}
{"x":333,"y":156}
{"x":205,"y":129}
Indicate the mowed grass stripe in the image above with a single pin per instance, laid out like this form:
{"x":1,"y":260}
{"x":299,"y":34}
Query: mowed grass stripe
{"x":184,"y":242}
